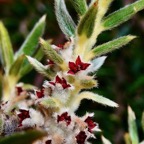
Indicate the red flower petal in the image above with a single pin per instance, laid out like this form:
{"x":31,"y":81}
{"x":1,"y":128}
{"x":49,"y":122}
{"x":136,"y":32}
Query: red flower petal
{"x":81,"y":137}
{"x":19,"y":90}
{"x":84,"y":66}
{"x":40,"y":93}
{"x":64,"y":84}
{"x":50,"y":62}
{"x":64,"y":117}
{"x":23,"y":115}
{"x":73,"y":67}
{"x":58,"y":79}
{"x":78,"y":61}
{"x":90,"y":123}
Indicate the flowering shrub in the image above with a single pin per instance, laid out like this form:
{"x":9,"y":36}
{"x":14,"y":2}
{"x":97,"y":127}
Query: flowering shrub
{"x":47,"y":115}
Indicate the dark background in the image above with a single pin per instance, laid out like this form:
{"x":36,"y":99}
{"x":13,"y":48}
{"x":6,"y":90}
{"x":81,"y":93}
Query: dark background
{"x":122,"y":76}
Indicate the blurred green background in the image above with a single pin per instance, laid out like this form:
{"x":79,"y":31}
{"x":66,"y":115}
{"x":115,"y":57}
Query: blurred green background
{"x":122,"y":76}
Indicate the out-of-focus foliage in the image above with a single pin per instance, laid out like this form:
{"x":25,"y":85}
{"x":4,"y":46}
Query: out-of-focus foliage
{"x":122,"y":76}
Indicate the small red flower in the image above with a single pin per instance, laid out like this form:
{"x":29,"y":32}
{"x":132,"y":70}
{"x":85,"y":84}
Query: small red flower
{"x":48,"y":142}
{"x":64,"y":117}
{"x":77,"y":66}
{"x":81,"y":137}
{"x":50,"y":62}
{"x":23,"y":115}
{"x":40,"y":93}
{"x":62,"y":81}
{"x":90,"y":123}
{"x":19,"y":90}
{"x":61,"y":46}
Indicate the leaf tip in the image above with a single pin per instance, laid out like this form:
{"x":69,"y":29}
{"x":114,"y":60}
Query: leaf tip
{"x":131,"y":113}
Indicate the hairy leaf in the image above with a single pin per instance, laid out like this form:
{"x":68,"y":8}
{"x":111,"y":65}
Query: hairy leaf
{"x":27,"y":67}
{"x":87,"y":23}
{"x":132,"y":126}
{"x":50,"y":52}
{"x":27,"y":137}
{"x":80,"y":6}
{"x":94,"y":97}
{"x":6,"y":51}
{"x":40,"y":68}
{"x":65,"y":21}
{"x":29,"y":46}
{"x":110,"y":46}
{"x":122,"y":15}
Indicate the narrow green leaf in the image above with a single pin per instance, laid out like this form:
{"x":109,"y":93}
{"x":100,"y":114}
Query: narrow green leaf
{"x":65,"y":21}
{"x":16,"y":66}
{"x":91,"y":96}
{"x":142,"y":121}
{"x":80,"y":6}
{"x":132,"y":126}
{"x":27,"y":137}
{"x":122,"y":15}
{"x":105,"y":141}
{"x":110,"y":46}
{"x":40,"y":68}
{"x":87,"y":23}
{"x":127,"y":138}
{"x":27,"y":67}
{"x":6,"y":51}
{"x":50,"y":52}
{"x":29,"y":46}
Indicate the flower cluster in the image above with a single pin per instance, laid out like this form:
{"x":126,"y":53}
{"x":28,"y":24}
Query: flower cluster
{"x":69,"y":73}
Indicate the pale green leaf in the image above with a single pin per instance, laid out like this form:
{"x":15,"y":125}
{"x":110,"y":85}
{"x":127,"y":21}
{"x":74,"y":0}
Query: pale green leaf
{"x":65,"y":21}
{"x":27,"y":67}
{"x":127,"y":138}
{"x":16,"y":66}
{"x":40,"y":67}
{"x":27,"y":137}
{"x":105,"y":141}
{"x":30,"y":45}
{"x":142,"y":121}
{"x":6,"y":51}
{"x":50,"y":52}
{"x":80,"y":6}
{"x":110,"y":46}
{"x":132,"y":126}
{"x":94,"y":97}
{"x":122,"y":15}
